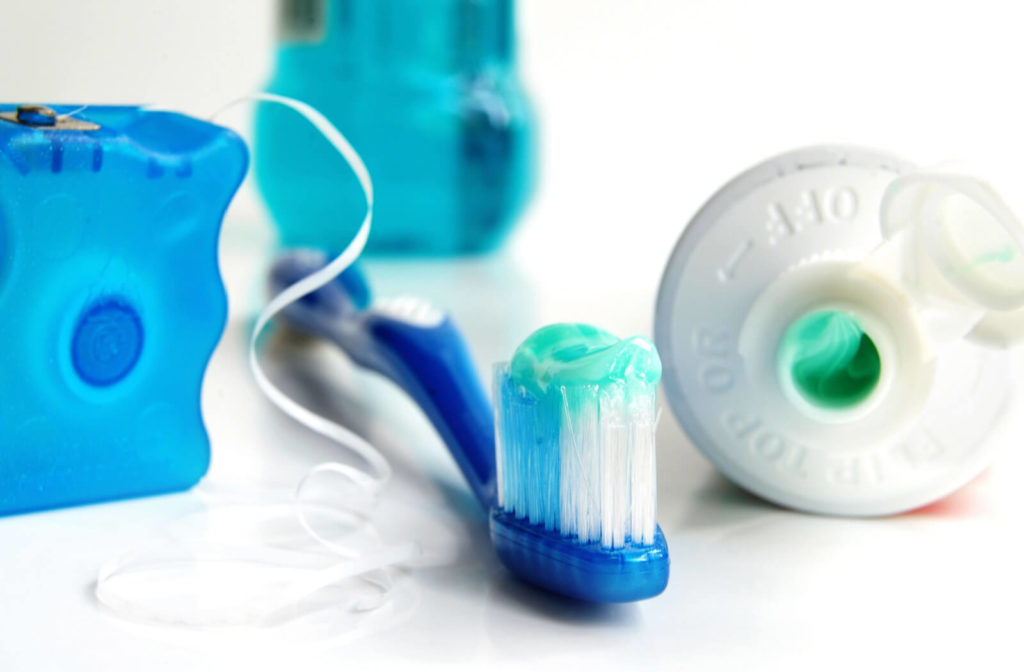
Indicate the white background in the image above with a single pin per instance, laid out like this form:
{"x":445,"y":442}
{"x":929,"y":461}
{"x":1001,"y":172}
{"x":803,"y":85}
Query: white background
{"x":646,"y":108}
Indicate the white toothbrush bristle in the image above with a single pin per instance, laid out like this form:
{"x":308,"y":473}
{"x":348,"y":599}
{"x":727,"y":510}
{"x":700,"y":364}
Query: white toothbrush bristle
{"x":580,"y":460}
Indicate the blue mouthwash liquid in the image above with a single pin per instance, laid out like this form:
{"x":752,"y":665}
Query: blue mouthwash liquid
{"x":427,"y":92}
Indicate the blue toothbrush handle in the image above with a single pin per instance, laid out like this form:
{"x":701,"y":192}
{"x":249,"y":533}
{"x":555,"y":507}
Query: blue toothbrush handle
{"x":429,"y":360}
{"x":433,"y":365}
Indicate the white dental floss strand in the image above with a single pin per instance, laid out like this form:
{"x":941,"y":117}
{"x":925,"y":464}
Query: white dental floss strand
{"x":126,"y":585}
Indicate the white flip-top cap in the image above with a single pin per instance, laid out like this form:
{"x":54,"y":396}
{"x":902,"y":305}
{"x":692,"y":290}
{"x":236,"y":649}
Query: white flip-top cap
{"x":964,"y":245}
{"x":812,"y":324}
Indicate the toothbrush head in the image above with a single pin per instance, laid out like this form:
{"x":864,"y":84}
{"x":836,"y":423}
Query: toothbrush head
{"x":574,"y":458}
{"x":576,"y":416}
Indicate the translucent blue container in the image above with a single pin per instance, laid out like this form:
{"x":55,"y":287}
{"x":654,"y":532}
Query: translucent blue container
{"x":112,"y":299}
{"x":426,"y":90}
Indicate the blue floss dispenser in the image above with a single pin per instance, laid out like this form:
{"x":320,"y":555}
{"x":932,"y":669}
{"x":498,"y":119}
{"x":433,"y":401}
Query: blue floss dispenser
{"x":109,"y":283}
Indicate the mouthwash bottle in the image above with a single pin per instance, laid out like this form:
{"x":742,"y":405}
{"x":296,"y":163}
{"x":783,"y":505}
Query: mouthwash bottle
{"x":427,"y":93}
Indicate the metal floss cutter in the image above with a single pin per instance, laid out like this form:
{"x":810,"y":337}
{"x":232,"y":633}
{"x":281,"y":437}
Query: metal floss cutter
{"x":111,"y":296}
{"x":833,"y":325}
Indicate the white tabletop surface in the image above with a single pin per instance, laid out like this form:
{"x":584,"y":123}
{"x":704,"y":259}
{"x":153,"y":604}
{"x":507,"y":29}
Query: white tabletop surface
{"x":646,"y":108}
{"x":751,"y":585}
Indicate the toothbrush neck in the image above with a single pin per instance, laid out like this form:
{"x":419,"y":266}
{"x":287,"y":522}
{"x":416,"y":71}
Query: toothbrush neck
{"x":434,"y":366}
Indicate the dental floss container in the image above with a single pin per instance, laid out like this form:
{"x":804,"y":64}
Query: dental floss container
{"x":112,"y":299}
{"x":834,"y":326}
{"x":429,"y":92}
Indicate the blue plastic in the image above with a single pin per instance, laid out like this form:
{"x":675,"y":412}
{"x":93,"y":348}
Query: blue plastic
{"x":427,"y":91}
{"x":585,"y":572}
{"x":433,"y":365}
{"x":113,"y":301}
{"x":107,"y":342}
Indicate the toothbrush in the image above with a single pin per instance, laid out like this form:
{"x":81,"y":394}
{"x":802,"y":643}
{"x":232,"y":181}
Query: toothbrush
{"x":568,"y":478}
